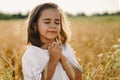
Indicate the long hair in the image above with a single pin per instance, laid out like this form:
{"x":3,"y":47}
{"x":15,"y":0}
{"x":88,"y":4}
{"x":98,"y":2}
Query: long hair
{"x":33,"y":34}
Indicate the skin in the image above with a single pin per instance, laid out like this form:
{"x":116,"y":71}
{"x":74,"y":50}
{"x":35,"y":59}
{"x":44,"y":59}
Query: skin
{"x":49,"y":25}
{"x":49,"y":28}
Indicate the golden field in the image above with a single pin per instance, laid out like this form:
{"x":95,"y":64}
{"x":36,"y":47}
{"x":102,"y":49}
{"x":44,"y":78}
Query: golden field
{"x":95,"y":40}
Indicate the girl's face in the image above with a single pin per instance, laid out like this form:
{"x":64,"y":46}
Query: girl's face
{"x":49,"y":25}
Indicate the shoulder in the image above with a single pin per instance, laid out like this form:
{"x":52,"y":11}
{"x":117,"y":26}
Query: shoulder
{"x":67,"y":47}
{"x":28,"y":54}
{"x":34,"y":53}
{"x":35,"y":56}
{"x":67,"y":50}
{"x":29,"y":50}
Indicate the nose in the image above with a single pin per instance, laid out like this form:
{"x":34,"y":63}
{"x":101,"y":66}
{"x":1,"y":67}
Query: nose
{"x":52,"y":25}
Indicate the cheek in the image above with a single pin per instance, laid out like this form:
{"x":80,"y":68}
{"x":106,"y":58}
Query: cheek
{"x":41,"y":29}
{"x":59,"y":28}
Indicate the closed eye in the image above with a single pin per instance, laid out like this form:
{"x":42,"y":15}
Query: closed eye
{"x":57,"y":23}
{"x":47,"y":22}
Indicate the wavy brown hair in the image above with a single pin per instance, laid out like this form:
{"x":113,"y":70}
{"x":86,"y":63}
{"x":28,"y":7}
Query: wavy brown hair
{"x":33,"y":34}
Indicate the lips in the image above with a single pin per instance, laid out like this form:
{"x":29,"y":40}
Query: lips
{"x":52,"y":31}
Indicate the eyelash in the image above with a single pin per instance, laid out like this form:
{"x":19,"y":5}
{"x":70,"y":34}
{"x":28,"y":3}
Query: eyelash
{"x":46,"y":22}
{"x":49,"y":23}
{"x":57,"y":23}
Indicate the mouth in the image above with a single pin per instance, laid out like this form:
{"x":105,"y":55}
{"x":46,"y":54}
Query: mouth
{"x":52,"y":31}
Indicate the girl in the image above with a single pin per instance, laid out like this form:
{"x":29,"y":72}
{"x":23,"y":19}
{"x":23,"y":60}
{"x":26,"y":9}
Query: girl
{"x":48,"y":57}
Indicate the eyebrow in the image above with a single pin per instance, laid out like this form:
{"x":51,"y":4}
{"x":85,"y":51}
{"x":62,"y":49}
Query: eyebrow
{"x":46,"y":19}
{"x":50,"y":19}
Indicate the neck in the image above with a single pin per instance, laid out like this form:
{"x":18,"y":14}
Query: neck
{"x":46,"y":43}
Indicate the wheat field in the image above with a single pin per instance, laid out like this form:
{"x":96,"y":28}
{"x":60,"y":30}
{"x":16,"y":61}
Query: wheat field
{"x":95,"y":40}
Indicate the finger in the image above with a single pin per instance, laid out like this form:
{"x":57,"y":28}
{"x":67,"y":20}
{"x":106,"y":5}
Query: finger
{"x":53,"y":44}
{"x":59,"y":43}
{"x":48,"y":48}
{"x":59,"y":48}
{"x":56,"y":45}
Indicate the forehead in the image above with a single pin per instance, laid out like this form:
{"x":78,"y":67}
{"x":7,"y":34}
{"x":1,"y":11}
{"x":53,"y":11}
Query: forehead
{"x":50,"y":13}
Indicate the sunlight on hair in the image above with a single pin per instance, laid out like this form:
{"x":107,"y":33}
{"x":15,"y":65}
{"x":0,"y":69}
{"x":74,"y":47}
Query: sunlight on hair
{"x":66,"y":26}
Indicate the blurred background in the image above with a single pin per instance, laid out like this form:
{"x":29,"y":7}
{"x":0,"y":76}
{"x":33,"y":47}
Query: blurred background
{"x":95,"y":28}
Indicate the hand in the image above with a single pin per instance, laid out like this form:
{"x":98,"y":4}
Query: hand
{"x":55,"y":50}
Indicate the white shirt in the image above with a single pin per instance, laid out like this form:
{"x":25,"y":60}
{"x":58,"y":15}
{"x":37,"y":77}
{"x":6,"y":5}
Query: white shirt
{"x":35,"y":59}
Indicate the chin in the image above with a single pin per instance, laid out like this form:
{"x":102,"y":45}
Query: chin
{"x":51,"y":38}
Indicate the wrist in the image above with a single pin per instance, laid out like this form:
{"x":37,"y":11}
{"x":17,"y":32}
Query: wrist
{"x":53,"y":61}
{"x":62,"y":58}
